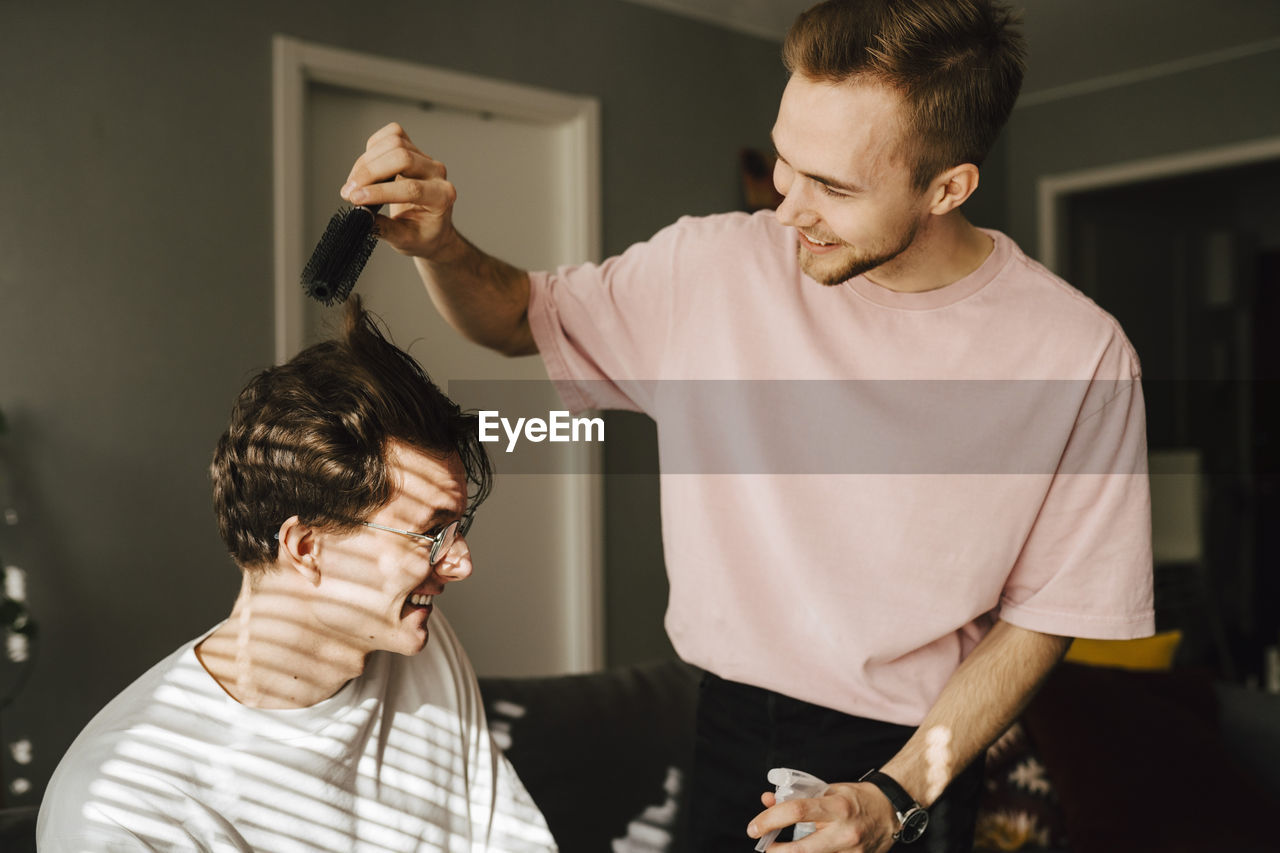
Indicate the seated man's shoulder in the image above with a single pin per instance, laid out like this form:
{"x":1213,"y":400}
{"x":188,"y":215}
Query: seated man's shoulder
{"x":129,"y":760}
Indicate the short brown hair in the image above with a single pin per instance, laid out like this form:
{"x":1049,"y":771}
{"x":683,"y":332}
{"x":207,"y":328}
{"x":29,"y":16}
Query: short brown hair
{"x":310,"y":438}
{"x":957,"y":64}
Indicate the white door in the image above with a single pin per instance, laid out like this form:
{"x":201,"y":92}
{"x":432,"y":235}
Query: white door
{"x":531,"y":606}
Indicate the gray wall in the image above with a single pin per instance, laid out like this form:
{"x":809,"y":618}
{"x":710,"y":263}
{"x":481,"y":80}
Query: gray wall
{"x":135,"y":280}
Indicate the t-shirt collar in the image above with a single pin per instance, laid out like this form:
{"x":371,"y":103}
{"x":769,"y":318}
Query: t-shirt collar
{"x":942,"y":296}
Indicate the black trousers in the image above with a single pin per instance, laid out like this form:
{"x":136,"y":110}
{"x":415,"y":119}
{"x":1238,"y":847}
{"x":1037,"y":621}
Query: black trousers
{"x":744,"y":731}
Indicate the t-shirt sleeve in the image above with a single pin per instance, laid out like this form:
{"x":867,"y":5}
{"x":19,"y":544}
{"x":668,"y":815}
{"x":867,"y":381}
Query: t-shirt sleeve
{"x":72,"y":820}
{"x":603,"y":329}
{"x":94,"y":840}
{"x":1085,"y":569}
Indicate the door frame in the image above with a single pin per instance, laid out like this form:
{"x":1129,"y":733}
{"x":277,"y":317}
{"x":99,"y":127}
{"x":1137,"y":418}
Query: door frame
{"x":1051,"y":190}
{"x":296,"y":65}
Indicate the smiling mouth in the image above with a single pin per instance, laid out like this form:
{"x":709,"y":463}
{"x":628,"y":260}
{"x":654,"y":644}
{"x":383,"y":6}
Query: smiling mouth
{"x":815,"y":242}
{"x":417,"y":603}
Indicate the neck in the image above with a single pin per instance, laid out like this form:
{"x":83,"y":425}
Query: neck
{"x":268,"y":654}
{"x":946,"y":249}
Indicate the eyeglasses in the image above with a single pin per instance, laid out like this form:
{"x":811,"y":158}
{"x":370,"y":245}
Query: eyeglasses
{"x":440,"y":543}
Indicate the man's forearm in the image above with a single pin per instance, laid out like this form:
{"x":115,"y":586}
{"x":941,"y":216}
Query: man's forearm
{"x":484,"y":298}
{"x":984,"y":696}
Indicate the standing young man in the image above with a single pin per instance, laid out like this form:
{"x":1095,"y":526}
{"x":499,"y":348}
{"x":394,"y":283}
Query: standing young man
{"x":333,"y":709}
{"x":880,"y":621}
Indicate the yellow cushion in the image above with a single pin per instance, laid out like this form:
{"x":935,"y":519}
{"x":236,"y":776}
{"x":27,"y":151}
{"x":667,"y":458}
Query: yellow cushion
{"x":1147,"y":653}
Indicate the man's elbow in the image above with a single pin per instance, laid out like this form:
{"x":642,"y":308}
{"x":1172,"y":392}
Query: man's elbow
{"x":511,"y":343}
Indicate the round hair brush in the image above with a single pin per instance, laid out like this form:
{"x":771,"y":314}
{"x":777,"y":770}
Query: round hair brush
{"x":341,"y":254}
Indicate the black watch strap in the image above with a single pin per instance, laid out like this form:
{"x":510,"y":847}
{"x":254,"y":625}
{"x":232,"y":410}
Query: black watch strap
{"x":912,"y":818}
{"x":897,"y":795}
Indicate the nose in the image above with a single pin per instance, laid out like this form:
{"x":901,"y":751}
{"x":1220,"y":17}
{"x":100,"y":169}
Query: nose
{"x":456,"y":564}
{"x":794,"y":210}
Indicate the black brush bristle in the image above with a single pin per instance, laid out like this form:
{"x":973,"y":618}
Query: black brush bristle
{"x":340,"y":256}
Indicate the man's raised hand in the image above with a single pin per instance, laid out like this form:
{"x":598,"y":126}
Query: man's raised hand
{"x":393,"y":171}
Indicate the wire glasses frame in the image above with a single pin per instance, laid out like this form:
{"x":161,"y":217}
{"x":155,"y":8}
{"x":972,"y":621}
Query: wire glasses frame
{"x":440,"y":543}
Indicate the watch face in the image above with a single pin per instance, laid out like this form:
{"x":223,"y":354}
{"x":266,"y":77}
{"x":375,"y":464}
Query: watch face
{"x":913,"y":825}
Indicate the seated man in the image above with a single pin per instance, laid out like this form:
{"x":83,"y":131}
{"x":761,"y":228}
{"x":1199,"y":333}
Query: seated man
{"x":312,"y":718}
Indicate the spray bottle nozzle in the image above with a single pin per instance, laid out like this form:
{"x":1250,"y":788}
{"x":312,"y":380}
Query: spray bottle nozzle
{"x":792,"y":785}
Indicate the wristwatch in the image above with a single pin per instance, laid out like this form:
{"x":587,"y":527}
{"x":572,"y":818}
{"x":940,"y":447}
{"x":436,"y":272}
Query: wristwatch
{"x":912,"y":818}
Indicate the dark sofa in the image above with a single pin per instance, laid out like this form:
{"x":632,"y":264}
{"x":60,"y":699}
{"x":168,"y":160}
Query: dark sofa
{"x":606,"y":756}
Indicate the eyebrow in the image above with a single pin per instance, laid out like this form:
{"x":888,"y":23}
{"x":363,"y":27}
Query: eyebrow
{"x":822,"y":179}
{"x":438,"y":518}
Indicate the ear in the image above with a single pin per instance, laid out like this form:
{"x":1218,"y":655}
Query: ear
{"x":299,"y":549}
{"x":951,"y":188}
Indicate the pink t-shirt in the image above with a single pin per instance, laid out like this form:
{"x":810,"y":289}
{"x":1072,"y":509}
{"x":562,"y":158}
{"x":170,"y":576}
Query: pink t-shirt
{"x":855,"y":482}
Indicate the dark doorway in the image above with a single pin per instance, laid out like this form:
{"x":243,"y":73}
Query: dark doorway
{"x":1190,"y":266}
